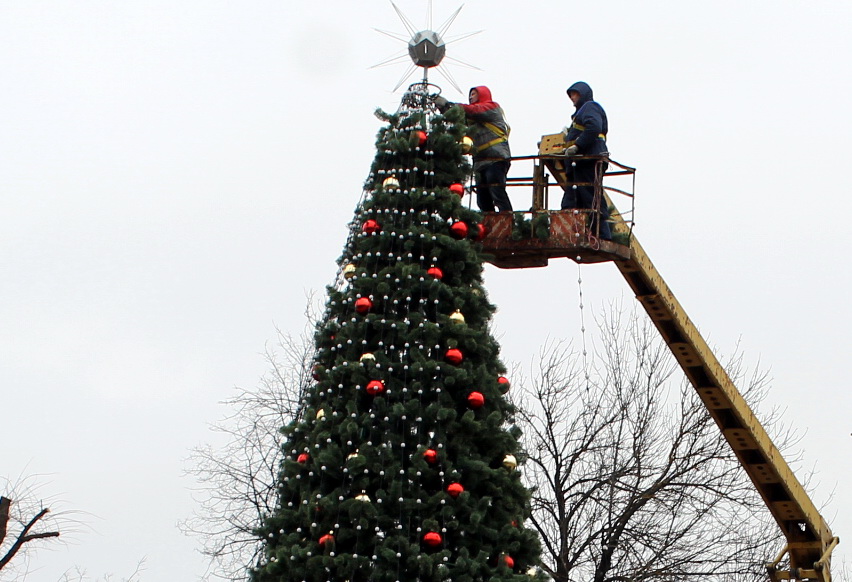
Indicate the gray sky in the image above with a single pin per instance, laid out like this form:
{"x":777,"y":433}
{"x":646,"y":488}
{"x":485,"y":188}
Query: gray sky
{"x":176,"y":176}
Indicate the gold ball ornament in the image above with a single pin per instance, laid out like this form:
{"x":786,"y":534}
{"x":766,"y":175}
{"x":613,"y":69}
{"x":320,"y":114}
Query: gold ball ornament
{"x":352,"y":455}
{"x":466,"y":144}
{"x":390,"y":182}
{"x":368,"y":357}
{"x":457,"y":317}
{"x":532,"y":572}
{"x":320,"y":414}
{"x":349,"y":271}
{"x":510,"y":462}
{"x":363,"y":497}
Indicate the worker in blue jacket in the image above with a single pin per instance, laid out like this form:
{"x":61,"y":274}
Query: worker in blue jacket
{"x":586,"y":137}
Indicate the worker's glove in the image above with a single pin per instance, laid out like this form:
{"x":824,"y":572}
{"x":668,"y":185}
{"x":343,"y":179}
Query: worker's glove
{"x":441,"y":102}
{"x":564,"y":132}
{"x":571,"y":150}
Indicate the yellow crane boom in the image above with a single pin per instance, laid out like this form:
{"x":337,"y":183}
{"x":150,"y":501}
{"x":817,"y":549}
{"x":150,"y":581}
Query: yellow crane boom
{"x":809,"y":539}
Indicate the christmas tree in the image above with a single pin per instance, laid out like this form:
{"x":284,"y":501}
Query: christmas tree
{"x":402,"y":464}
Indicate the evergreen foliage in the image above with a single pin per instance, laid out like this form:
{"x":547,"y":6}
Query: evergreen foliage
{"x":387,"y":427}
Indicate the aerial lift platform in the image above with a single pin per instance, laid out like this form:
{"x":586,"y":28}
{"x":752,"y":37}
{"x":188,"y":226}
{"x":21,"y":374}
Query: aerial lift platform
{"x":807,"y":553}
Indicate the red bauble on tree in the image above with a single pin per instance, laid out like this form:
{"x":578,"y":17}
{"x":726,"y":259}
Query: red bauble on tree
{"x":431,"y":456}
{"x":363,"y":305}
{"x":475,"y":399}
{"x":421,"y":137}
{"x":435,"y":273}
{"x":454,"y":356}
{"x":303,"y":458}
{"x":458,"y":230}
{"x":504,"y":384}
{"x":455,"y":489}
{"x":457,"y":189}
{"x":326,"y":540}
{"x":481,"y":231}
{"x":315,"y":372}
{"x":370,"y":226}
{"x":375,"y":387}
{"x":509,"y":561}
{"x":433,"y":539}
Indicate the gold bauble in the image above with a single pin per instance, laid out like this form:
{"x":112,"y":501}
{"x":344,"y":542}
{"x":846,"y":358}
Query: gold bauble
{"x":349,"y":271}
{"x":390,"y":182}
{"x":510,"y":462}
{"x":457,"y":317}
{"x":320,"y":414}
{"x":363,"y":497}
{"x":368,"y":357}
{"x":466,"y":144}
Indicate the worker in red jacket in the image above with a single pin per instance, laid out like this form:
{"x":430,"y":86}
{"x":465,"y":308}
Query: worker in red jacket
{"x":489,"y":131}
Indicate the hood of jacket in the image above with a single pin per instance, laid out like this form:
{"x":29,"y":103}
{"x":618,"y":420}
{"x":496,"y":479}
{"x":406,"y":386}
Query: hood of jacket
{"x":584,"y":90}
{"x":484,"y":94}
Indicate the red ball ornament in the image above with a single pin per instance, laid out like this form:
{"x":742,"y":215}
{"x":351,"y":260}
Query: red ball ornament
{"x":421,"y":137}
{"x":504,"y":384}
{"x":375,"y":387}
{"x":363,"y":305}
{"x":431,"y":456}
{"x":475,"y":399}
{"x":435,"y":273}
{"x":458,"y":230}
{"x":481,"y":231}
{"x":455,"y":489}
{"x":315,"y":372}
{"x":302,"y":458}
{"x":326,"y":539}
{"x":457,"y":189}
{"x":370,"y":226}
{"x":509,"y":561}
{"x":433,"y":539}
{"x":454,"y":356}
{"x":514,"y":523}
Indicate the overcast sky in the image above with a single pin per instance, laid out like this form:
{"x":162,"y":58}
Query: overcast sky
{"x":175,"y":177}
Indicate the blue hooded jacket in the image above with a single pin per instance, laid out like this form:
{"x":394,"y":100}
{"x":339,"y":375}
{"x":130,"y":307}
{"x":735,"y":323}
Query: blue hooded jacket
{"x":589,"y":128}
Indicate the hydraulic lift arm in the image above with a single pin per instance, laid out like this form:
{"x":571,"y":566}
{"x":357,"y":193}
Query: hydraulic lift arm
{"x":809,"y":539}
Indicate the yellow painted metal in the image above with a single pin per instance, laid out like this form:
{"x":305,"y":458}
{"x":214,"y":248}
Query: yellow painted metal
{"x":810,"y":541}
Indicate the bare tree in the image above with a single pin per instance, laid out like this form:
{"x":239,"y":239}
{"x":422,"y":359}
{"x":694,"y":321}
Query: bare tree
{"x":632,"y":480}
{"x":238,"y":480}
{"x":26,"y":521}
{"x":78,"y":574}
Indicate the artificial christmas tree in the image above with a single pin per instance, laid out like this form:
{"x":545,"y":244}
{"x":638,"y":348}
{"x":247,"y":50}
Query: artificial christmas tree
{"x":404,"y":476}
